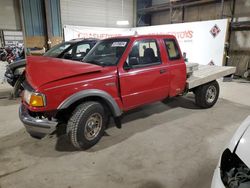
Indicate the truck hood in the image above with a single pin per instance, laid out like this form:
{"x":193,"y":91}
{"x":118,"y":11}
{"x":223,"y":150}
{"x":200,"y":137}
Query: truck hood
{"x":41,"y":70}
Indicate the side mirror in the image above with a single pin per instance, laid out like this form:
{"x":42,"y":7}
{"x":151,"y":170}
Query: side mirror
{"x":133,"y":61}
{"x":67,"y":56}
{"x":184,"y":55}
{"x":126,"y":66}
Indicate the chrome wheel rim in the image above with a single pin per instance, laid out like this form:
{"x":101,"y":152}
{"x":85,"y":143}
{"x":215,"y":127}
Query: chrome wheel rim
{"x":93,"y":126}
{"x":211,"y":94}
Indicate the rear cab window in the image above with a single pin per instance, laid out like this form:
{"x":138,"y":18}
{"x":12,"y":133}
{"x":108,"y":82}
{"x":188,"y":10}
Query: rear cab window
{"x":172,"y":49}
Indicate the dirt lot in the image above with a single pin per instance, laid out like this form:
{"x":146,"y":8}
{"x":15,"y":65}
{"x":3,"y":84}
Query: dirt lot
{"x":162,"y":145}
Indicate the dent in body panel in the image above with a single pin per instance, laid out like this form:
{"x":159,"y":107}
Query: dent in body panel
{"x":177,"y":79}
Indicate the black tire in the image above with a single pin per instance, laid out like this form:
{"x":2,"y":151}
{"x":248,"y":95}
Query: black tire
{"x":207,"y":95}
{"x":81,"y":123}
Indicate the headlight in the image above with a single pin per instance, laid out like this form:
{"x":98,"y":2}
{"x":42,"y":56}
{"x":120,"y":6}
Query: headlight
{"x":34,"y":99}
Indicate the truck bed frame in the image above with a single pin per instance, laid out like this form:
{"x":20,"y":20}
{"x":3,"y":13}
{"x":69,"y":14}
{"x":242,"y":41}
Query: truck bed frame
{"x":200,"y":74}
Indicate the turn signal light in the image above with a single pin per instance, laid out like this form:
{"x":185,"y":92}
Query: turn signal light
{"x":36,"y":101}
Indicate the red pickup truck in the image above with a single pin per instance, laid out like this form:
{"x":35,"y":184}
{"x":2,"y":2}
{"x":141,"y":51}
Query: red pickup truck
{"x":118,"y":74}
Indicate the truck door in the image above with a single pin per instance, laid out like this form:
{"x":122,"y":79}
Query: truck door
{"x":144,"y":76}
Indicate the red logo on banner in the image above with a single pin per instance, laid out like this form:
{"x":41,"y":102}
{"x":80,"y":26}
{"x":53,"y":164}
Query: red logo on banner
{"x":215,"y":31}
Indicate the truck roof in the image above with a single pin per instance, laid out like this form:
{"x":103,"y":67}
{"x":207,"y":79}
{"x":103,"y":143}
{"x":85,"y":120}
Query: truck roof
{"x":143,"y":36}
{"x":82,"y":39}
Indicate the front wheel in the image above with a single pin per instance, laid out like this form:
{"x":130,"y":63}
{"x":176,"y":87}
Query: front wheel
{"x":86,"y":125}
{"x":207,"y":95}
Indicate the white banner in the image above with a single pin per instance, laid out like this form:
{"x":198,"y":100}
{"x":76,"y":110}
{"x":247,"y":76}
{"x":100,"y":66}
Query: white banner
{"x":73,"y":32}
{"x":203,"y":42}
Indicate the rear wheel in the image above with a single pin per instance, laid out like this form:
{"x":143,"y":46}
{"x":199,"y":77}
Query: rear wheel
{"x":86,"y":125}
{"x":207,"y":95}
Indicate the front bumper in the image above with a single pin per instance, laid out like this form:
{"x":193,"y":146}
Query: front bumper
{"x":36,"y":126}
{"x":217,"y":182}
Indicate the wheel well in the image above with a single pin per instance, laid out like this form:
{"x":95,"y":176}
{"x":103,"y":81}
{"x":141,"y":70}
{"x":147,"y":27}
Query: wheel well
{"x":65,"y":114}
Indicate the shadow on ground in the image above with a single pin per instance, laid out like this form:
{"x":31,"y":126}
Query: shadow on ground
{"x":134,"y":121}
{"x":137,"y":114}
{"x":151,"y":184}
{"x":147,"y":117}
{"x":46,"y":147}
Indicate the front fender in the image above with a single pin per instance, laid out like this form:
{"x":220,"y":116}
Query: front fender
{"x":92,"y":93}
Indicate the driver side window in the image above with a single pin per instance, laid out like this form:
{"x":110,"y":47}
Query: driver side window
{"x":144,"y":53}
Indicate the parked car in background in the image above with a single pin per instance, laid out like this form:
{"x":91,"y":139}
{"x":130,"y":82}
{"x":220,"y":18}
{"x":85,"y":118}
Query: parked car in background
{"x":75,"y":49}
{"x":12,"y":53}
{"x":233,"y":170}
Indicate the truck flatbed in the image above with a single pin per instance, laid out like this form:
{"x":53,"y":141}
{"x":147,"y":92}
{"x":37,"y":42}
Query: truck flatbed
{"x":207,"y":73}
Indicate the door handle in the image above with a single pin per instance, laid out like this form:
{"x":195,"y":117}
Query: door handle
{"x":163,"y":71}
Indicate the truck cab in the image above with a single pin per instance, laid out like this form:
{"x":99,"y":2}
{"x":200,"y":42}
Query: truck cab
{"x":151,"y":69}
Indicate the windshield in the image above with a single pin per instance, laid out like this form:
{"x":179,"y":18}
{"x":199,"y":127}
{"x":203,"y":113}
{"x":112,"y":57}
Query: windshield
{"x":57,"y":50}
{"x":107,"y":52}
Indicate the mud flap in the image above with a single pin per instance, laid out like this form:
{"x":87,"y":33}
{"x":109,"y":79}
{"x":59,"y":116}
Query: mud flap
{"x":118,"y":122}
